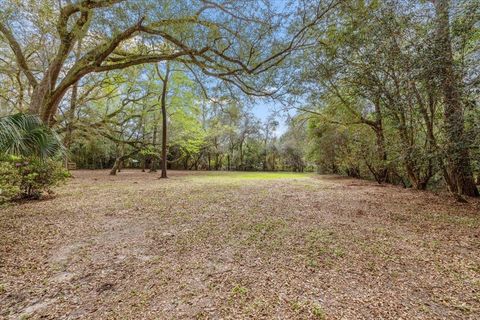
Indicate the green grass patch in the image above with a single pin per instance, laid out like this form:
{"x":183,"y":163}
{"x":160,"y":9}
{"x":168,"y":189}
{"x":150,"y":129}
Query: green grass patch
{"x":239,"y":290}
{"x":322,"y":247}
{"x":465,"y":221}
{"x":267,"y":235}
{"x":240,"y":175}
{"x":312,"y":309}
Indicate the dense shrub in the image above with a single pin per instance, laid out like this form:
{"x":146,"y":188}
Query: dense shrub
{"x":29,"y":178}
{"x":9,"y":181}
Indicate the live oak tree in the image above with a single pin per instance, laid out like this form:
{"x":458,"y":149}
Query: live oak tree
{"x":223,"y":39}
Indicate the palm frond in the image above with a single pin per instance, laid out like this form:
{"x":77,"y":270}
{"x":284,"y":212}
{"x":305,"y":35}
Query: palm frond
{"x":26,"y":135}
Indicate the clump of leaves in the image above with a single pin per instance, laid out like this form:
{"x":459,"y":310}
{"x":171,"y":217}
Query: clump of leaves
{"x":25,"y":135}
{"x":149,"y":153}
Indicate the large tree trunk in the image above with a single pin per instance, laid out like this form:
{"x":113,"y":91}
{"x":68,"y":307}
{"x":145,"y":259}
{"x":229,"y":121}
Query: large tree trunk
{"x":116,"y":166}
{"x":458,"y":169}
{"x":46,"y":97}
{"x":119,"y":161}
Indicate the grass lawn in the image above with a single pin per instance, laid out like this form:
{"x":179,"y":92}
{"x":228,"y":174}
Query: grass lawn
{"x":238,"y":245}
{"x":226,"y":175}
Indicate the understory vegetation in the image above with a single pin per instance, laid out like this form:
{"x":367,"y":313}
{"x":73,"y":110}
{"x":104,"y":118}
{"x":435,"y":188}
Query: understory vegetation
{"x":30,"y":158}
{"x":385,"y":86}
{"x":28,"y":178}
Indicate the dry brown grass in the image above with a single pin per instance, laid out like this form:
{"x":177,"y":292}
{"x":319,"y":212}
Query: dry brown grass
{"x":237,"y":246}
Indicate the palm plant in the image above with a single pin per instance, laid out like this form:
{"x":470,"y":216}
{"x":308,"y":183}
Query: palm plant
{"x":26,"y":135}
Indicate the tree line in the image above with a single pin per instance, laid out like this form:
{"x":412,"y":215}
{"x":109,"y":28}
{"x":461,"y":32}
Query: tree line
{"x":201,"y":133}
{"x":383,"y":90}
{"x":392,"y":93}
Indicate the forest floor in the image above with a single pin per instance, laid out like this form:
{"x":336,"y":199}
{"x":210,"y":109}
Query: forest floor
{"x":238,"y":245}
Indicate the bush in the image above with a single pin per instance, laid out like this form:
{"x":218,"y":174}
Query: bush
{"x":29,"y":178}
{"x":9,"y":181}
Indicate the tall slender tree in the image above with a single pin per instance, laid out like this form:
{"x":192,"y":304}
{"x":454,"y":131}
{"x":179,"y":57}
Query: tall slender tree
{"x":458,"y":173}
{"x":163,"y":104}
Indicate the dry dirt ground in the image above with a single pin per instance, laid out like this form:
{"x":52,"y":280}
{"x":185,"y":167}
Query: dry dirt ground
{"x":238,"y":246}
